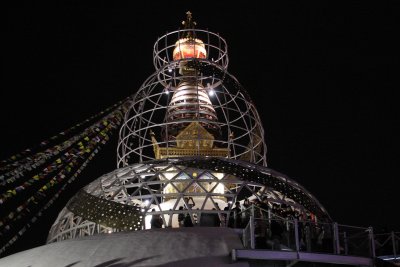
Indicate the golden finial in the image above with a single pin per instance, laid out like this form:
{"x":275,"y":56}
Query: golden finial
{"x":189,"y":23}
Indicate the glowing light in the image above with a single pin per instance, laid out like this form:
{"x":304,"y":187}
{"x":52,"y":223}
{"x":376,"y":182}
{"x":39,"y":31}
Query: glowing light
{"x":189,"y":48}
{"x":211,"y":92}
{"x":146,"y":202}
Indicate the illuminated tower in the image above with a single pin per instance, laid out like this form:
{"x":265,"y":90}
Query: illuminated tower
{"x":192,"y":142}
{"x":190,"y":100}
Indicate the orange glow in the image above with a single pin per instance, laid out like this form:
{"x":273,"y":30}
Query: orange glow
{"x":189,"y":48}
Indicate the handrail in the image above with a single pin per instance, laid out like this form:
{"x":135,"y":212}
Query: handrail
{"x":346,"y":240}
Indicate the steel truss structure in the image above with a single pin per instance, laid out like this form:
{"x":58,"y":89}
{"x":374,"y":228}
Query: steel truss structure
{"x":127,"y":198}
{"x":199,"y":142}
{"x":237,"y":125}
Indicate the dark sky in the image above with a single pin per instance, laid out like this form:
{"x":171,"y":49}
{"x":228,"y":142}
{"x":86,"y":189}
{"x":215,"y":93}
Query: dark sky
{"x":323,"y":77}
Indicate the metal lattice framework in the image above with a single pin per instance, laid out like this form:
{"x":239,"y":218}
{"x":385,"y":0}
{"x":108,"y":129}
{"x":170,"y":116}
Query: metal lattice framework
{"x":166,"y":185}
{"x":191,"y":90}
{"x":200,"y":146}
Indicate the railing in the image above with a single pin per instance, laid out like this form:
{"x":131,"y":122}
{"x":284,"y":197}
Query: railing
{"x":265,"y":230}
{"x":248,"y":234}
{"x":387,"y":246}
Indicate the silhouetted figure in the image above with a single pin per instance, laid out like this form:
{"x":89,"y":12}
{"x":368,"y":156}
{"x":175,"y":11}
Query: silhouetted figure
{"x":181,"y":217}
{"x":224,"y":217}
{"x":156,"y":221}
{"x":235,"y":219}
{"x":246,"y":203}
{"x":215,"y":219}
{"x":187,"y":222}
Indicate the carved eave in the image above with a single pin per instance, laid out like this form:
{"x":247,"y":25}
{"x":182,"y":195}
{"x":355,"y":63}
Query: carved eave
{"x":193,"y":136}
{"x":194,"y":140}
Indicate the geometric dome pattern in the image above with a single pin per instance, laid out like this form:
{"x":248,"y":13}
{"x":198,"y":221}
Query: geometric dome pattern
{"x":191,"y":144}
{"x":191,"y":90}
{"x":132,"y":195}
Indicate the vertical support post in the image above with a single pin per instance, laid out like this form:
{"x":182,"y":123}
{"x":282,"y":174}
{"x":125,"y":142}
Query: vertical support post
{"x":252,"y":238}
{"x":252,"y":228}
{"x":346,"y":247}
{"x":308,"y":237}
{"x":336,"y":244}
{"x":288,"y":231}
{"x":144,"y":221}
{"x":394,"y":245}
{"x":269,"y":221}
{"x":245,"y":237}
{"x":372,"y":241}
{"x":296,"y":235}
{"x":234,"y":258}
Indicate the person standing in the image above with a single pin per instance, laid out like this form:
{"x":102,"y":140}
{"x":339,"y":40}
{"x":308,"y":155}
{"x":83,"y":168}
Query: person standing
{"x":181,"y":217}
{"x":187,"y":222}
{"x":156,"y":220}
{"x":235,"y":219}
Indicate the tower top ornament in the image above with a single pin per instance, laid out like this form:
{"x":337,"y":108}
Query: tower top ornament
{"x":189,"y":23}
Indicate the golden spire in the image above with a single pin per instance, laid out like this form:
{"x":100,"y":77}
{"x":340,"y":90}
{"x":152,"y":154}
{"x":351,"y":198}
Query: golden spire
{"x":189,"y":24}
{"x":188,"y":46}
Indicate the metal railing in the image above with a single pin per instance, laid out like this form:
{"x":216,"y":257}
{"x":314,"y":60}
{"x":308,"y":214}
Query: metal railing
{"x":264,"y":230}
{"x":387,"y":246}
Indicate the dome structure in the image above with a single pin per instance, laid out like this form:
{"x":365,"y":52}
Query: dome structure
{"x":127,"y":198}
{"x":191,"y":152}
{"x":191,"y":143}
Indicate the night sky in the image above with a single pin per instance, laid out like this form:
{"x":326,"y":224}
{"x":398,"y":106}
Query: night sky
{"x":324,"y":78}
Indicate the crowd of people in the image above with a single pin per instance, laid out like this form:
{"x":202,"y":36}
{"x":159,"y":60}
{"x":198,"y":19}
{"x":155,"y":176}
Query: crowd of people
{"x":211,"y":219}
{"x":274,"y":223}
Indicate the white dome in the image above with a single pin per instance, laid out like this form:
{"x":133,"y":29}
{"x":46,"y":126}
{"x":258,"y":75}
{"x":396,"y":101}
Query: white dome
{"x":194,"y":246}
